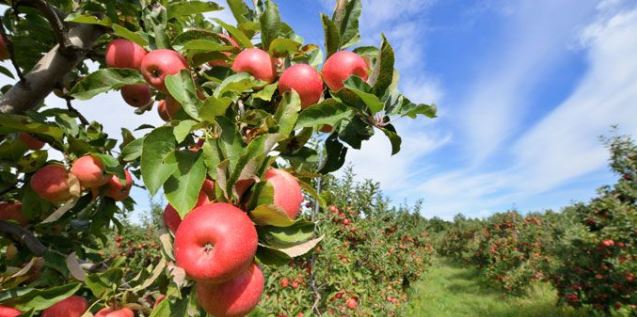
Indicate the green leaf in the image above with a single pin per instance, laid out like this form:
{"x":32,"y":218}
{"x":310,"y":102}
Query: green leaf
{"x":329,"y":112}
{"x":230,"y":143}
{"x":183,"y":186}
{"x":155,"y":19}
{"x":258,"y":147}
{"x":206,"y":45}
{"x":104,"y":283}
{"x":78,"y":17}
{"x":266,"y":92}
{"x":237,"y":84}
{"x":297,"y":249}
{"x":237,"y":34}
{"x":182,"y":88}
{"x":283,"y":47}
{"x":270,"y":215}
{"x":287,"y":114}
{"x":178,"y":9}
{"x":270,"y":23}
{"x":103,"y":80}
{"x":26,"y":299}
{"x":132,"y":150}
{"x":10,"y":123}
{"x":332,"y":36}
{"x":183,"y":129}
{"x":336,"y":153}
{"x":214,"y":107}
{"x":372,"y":101}
{"x":299,"y":232}
{"x":129,"y":35}
{"x":346,"y":16}
{"x":393,"y":137}
{"x":111,"y":165}
{"x":242,"y":13}
{"x":195,"y":34}
{"x":157,"y":147}
{"x":405,"y":108}
{"x":6,"y":72}
{"x":383,"y":73}
{"x":355,"y":131}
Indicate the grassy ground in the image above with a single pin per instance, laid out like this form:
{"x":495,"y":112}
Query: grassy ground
{"x":452,"y":290}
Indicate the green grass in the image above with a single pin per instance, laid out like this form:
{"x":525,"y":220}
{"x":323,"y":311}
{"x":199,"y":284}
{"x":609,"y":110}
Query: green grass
{"x":454,"y":290}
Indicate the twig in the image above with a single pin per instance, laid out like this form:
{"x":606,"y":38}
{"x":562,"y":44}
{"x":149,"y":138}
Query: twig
{"x":23,"y":236}
{"x":9,"y":43}
{"x":56,"y":20}
{"x":74,"y":111}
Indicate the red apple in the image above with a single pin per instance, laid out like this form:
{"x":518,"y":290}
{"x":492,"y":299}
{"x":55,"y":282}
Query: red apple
{"x":167,"y":108}
{"x":255,"y":62}
{"x":341,"y":66}
{"x":116,"y":189}
{"x":137,"y":95}
{"x":326,"y":128}
{"x":236,"y":297}
{"x":51,"y":183}
{"x":31,"y":142}
{"x":12,"y":211}
{"x":89,"y":170}
{"x":73,"y":306}
{"x":160,"y":63}
{"x":121,"y":53}
{"x":4,"y":51}
{"x":352,"y":303}
{"x":114,"y":312}
{"x":221,"y":62}
{"x":284,"y":282}
{"x":305,"y":80}
{"x":215,"y":242}
{"x":287,"y":191}
{"x":608,"y":243}
{"x":9,"y":312}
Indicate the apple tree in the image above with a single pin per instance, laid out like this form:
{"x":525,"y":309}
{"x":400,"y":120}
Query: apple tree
{"x":250,"y":122}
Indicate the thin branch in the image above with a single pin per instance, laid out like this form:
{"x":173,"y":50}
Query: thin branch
{"x":23,"y":236}
{"x":56,"y":20}
{"x":9,"y":43}
{"x":74,"y":111}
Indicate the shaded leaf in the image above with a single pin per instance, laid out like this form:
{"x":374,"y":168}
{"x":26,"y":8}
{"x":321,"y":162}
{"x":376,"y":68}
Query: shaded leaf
{"x":103,"y":80}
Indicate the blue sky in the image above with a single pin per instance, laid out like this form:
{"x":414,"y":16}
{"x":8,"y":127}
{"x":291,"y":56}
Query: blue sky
{"x":524,"y":89}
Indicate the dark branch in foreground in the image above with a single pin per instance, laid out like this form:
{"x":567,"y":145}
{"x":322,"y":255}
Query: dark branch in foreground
{"x":74,"y":111}
{"x":23,"y":236}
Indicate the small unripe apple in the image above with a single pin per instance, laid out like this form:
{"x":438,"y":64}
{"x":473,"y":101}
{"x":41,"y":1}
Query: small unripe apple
{"x":236,"y":297}
{"x":215,"y":242}
{"x":221,"y":62}
{"x":31,"y":142}
{"x":121,"y":53}
{"x":255,"y":62}
{"x":6,"y":311}
{"x":137,"y":95}
{"x":287,"y":191}
{"x":160,"y":63}
{"x":114,"y":312}
{"x":341,"y":66}
{"x":12,"y":211}
{"x":116,"y":189}
{"x":305,"y":80}
{"x":168,"y":108}
{"x":89,"y":170}
{"x":51,"y":183}
{"x":73,"y":306}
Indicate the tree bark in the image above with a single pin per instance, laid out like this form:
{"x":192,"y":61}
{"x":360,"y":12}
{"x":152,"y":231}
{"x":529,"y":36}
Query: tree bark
{"x":23,"y":236}
{"x":50,"y":70}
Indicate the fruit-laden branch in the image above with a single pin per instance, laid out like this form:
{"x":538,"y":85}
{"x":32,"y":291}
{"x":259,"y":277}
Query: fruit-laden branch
{"x":22,"y":236}
{"x":50,"y":70}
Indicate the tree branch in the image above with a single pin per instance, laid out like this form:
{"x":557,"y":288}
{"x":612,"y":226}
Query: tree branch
{"x":23,"y":236}
{"x":50,"y":70}
{"x":74,"y":111}
{"x":9,"y":43}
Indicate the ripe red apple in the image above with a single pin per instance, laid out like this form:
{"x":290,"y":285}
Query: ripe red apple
{"x":608,"y":243}
{"x":4,"y":51}
{"x":229,"y":41}
{"x":341,"y":66}
{"x":160,"y":63}
{"x":51,"y":183}
{"x":9,"y":312}
{"x":326,"y":128}
{"x":31,"y":142}
{"x":73,"y":306}
{"x":89,"y":170}
{"x":121,"y":53}
{"x":215,"y":242}
{"x":351,"y":303}
{"x":137,"y":95}
{"x":114,"y":312}
{"x":255,"y":62}
{"x":12,"y":211}
{"x":287,"y":191}
{"x":236,"y":297}
{"x":284,"y":282}
{"x":167,"y":108}
{"x":305,"y":80}
{"x":116,"y":189}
